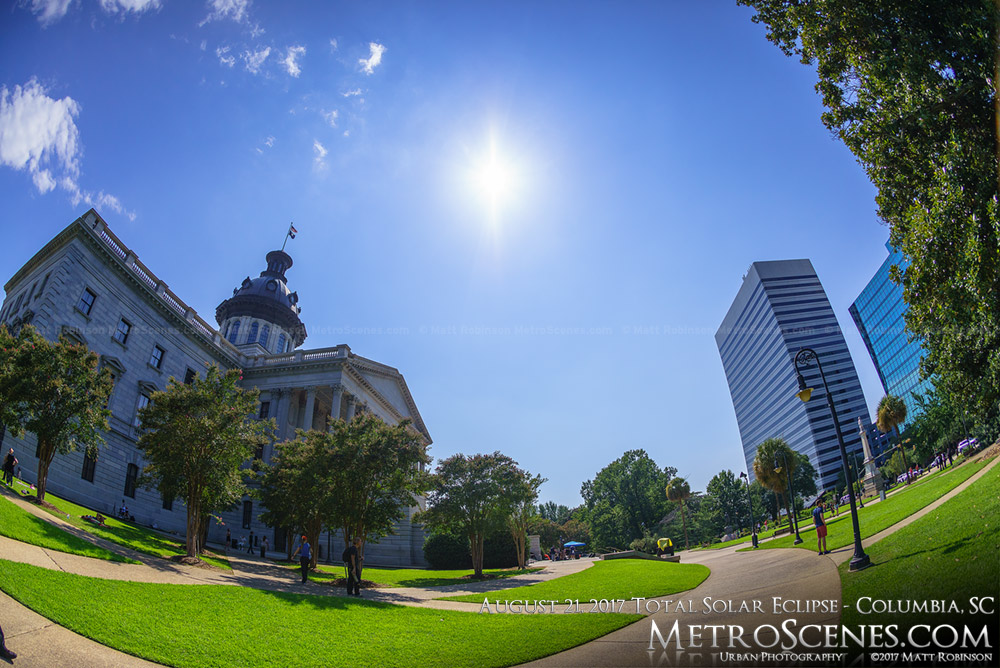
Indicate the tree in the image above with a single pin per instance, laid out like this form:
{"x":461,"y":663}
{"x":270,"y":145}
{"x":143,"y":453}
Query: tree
{"x":550,"y":510}
{"x":53,"y":390}
{"x":890,"y":414}
{"x":524,"y":494}
{"x":769,"y":468}
{"x":626,"y":498}
{"x":195,"y":438}
{"x":911,"y":88}
{"x":804,"y":476}
{"x":472,"y":495}
{"x":677,"y":491}
{"x":377,"y":473}
{"x":728,"y":497}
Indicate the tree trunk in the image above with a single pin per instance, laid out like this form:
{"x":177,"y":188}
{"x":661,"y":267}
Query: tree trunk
{"x":684,"y":522}
{"x":46,"y":453}
{"x":476,"y":542}
{"x":191,"y":538}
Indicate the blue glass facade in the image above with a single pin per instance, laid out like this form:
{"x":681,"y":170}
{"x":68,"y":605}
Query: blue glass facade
{"x":780,"y":308}
{"x":879,"y":314}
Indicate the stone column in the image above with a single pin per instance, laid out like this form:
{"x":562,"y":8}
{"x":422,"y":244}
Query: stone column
{"x":352,"y":404}
{"x":338,"y":397}
{"x":307,"y":421}
{"x":283,"y":398}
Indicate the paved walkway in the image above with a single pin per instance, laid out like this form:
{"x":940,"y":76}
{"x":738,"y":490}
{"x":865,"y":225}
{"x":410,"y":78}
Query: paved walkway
{"x":740,"y":582}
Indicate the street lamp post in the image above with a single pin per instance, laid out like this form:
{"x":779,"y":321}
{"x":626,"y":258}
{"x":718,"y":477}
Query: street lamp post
{"x":753,"y":523}
{"x":857,"y":479}
{"x":793,"y":520}
{"x":803,"y":359}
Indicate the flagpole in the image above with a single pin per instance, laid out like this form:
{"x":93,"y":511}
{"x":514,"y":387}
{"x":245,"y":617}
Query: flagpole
{"x":288,"y":235}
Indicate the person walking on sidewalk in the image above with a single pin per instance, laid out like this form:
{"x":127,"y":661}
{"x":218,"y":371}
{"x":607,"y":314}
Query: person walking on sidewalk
{"x":820,"y":528}
{"x":352,"y":559}
{"x":306,"y":556}
{"x":9,"y":462}
{"x":4,"y":652}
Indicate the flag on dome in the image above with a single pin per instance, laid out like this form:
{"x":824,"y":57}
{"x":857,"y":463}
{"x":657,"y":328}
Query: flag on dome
{"x":292,"y":231}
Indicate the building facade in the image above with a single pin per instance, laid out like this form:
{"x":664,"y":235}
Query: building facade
{"x":879,"y":313}
{"x":86,"y":284}
{"x":780,"y":308}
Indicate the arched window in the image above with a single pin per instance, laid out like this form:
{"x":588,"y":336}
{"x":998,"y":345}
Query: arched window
{"x":281,"y":343}
{"x":252,"y":335}
{"x":264,"y":333}
{"x":234,"y":331}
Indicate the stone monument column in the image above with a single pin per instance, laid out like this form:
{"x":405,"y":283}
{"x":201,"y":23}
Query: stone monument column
{"x":338,"y":397}
{"x":283,"y":395}
{"x":352,"y":404}
{"x":307,"y":420}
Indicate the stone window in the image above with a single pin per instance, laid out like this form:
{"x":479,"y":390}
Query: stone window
{"x":142,"y":403}
{"x":86,"y":302}
{"x":234,"y":331}
{"x":265,"y":410}
{"x":156,"y":358}
{"x":122,"y":331}
{"x":89,"y":465}
{"x":252,"y":334}
{"x":131,"y":475}
{"x":265,"y":332}
{"x":247,"y":514}
{"x":281,"y":344}
{"x":168,"y":503}
{"x":189,"y":376}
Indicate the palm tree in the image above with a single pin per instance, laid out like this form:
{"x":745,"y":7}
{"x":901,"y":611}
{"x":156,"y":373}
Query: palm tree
{"x":765,"y":471}
{"x":891,"y":413}
{"x":677,"y":490}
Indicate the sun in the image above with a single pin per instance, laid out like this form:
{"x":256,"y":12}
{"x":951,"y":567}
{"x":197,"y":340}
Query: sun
{"x":495,"y":178}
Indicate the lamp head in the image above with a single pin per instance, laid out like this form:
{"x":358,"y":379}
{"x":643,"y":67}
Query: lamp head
{"x":804,"y":391}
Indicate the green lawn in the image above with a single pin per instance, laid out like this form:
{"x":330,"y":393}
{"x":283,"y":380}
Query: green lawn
{"x":948,"y":554}
{"x":23,"y":526}
{"x":126,"y":534}
{"x":218,"y":626}
{"x":876,"y":517}
{"x":413,"y":577}
{"x":614,"y":579}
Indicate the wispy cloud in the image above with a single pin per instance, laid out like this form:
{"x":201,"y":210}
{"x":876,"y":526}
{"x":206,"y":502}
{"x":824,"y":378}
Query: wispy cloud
{"x":319,"y":152}
{"x":333,"y":44}
{"x":369,"y":64}
{"x":254,"y":60}
{"x":235,"y":10}
{"x":331,"y":117}
{"x":291,"y":60}
{"x":126,"y":6}
{"x":38,"y":134}
{"x":352,"y":93}
{"x":222,"y":53}
{"x":269,"y":142}
{"x":204,"y":44}
{"x":49,"y":11}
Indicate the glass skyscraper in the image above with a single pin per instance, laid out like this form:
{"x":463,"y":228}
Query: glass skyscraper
{"x":780,"y":308}
{"x":878,"y":312}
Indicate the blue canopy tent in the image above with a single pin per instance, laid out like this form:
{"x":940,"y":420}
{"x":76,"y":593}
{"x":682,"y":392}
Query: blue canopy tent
{"x":573,"y":543}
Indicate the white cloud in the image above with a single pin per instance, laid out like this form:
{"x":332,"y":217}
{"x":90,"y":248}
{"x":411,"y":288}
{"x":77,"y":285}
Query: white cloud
{"x":256,"y":31}
{"x":226,"y":9}
{"x":38,"y":133}
{"x":126,"y":6}
{"x":347,"y":133}
{"x":368,"y":65}
{"x":50,"y":11}
{"x":269,"y":142}
{"x":204,"y":44}
{"x":223,"y":54}
{"x":294,"y":52}
{"x":333,"y":44}
{"x":352,"y":93}
{"x":320,"y":152}
{"x":256,"y":59}
{"x":331,"y":117}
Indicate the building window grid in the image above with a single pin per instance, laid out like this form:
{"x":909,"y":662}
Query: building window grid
{"x":86,"y":303}
{"x":156,"y":357}
{"x":122,"y":331}
{"x":131,"y":476}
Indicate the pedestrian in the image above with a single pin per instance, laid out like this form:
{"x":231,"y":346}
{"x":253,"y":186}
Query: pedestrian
{"x":9,"y":462}
{"x":820,"y":528}
{"x":229,"y":540}
{"x":306,"y":556}
{"x":4,"y":652}
{"x":243,"y":543}
{"x":250,"y":546}
{"x":352,"y":559}
{"x":263,"y":548}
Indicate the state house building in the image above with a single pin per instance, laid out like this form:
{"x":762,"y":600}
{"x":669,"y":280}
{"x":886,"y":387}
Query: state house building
{"x":85,"y":283}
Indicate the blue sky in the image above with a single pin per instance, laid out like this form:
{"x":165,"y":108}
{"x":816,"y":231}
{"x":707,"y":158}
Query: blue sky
{"x":539,"y":212}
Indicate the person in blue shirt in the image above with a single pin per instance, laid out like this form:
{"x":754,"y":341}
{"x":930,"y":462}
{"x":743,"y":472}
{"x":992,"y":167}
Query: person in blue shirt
{"x":820,"y":528}
{"x":305,"y":557}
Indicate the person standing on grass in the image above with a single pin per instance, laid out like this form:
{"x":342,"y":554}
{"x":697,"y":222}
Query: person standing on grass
{"x":306,"y":556}
{"x":9,"y":462}
{"x":820,"y":528}
{"x":352,"y":559}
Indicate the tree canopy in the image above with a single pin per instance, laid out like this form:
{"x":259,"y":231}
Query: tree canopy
{"x":626,"y":499}
{"x":54,"y":390}
{"x":195,"y":439}
{"x":911,"y":90}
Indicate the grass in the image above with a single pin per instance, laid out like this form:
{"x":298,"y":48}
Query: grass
{"x":949,"y":554}
{"x":168,"y":624}
{"x":126,"y":534}
{"x":414,"y":577}
{"x":614,"y":579}
{"x":876,"y":517}
{"x":19,"y":524}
